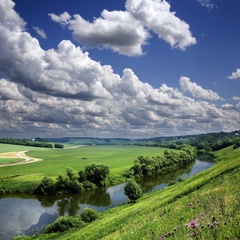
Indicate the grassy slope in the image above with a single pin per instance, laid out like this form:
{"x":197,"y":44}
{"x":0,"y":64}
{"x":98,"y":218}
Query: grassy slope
{"x":56,"y":161}
{"x":160,"y":212}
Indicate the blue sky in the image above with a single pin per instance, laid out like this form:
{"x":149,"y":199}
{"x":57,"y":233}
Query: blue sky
{"x":134,"y":68}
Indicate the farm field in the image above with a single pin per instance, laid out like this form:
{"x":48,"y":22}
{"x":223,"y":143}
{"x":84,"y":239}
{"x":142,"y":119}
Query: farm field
{"x":55,"y":161}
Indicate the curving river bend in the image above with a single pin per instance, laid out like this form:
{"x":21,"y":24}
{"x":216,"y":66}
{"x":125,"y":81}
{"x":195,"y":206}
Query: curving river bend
{"x":27,"y":214}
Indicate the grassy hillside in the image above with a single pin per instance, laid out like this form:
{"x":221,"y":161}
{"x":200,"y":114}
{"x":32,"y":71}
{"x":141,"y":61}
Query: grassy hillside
{"x":25,"y":177}
{"x":205,"y":206}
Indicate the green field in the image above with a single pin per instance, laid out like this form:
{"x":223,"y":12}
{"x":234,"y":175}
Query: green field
{"x":164,"y":214}
{"x":55,"y":161}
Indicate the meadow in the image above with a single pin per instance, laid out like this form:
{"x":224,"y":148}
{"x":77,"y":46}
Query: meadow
{"x":205,"y":206}
{"x":24,"y":178}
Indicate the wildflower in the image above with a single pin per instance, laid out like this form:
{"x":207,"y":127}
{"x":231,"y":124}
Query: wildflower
{"x":193,"y":234}
{"x":190,"y":205}
{"x":161,"y":238}
{"x":202,"y":214}
{"x":193,"y":224}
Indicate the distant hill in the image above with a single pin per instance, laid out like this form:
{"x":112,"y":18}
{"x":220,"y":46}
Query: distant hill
{"x":208,"y":138}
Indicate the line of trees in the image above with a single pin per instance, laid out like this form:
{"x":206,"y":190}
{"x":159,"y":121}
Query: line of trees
{"x":149,"y":165}
{"x":215,"y":141}
{"x":26,"y":142}
{"x":38,"y":142}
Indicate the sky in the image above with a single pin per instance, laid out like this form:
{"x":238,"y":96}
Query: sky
{"x":126,"y":68}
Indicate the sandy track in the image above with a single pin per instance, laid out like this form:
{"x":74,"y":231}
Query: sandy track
{"x":78,"y":146}
{"x":21,"y":154}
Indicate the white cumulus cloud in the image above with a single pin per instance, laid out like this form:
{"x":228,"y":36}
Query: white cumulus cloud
{"x":40,"y":32}
{"x":64,"y":92}
{"x":196,"y":90}
{"x":235,"y":75}
{"x":156,"y":16}
{"x":126,"y":32}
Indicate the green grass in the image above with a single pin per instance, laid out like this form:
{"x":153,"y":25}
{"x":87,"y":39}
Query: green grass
{"x":10,"y":160}
{"x":167,"y":211}
{"x":15,"y":148}
{"x":55,"y":161}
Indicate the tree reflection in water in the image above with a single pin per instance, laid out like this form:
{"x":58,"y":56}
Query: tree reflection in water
{"x":70,"y":204}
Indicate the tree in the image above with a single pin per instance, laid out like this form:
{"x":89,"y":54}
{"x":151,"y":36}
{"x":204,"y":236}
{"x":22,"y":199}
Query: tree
{"x":89,"y":215}
{"x":96,"y":172}
{"x":46,"y":187}
{"x":58,"y":145}
{"x":132,"y":190}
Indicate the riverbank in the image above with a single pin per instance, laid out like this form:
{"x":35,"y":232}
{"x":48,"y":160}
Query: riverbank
{"x":208,"y":202}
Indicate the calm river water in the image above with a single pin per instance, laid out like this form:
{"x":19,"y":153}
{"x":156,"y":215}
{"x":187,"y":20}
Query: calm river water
{"x":26,"y":214}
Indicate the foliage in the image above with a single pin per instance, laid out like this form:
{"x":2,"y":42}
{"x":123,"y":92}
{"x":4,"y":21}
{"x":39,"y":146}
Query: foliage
{"x":89,"y":215}
{"x":214,"y":141}
{"x":81,"y":176}
{"x":132,"y":190}
{"x":68,"y":183}
{"x":63,"y":224}
{"x":46,"y":187}
{"x":146,"y":165}
{"x":2,"y":191}
{"x":236,"y":143}
{"x":96,"y":172}
{"x":58,"y":145}
{"x":26,"y":142}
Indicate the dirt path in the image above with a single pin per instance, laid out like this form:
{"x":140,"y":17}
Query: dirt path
{"x":78,"y":146}
{"x":21,"y":154}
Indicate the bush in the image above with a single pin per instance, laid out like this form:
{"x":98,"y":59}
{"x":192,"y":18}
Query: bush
{"x":89,"y":215}
{"x":2,"y":191}
{"x":63,"y":224}
{"x":81,"y":176}
{"x":96,"y":172}
{"x":132,"y":190}
{"x":46,"y":187}
{"x":88,"y":185}
{"x":58,"y":145}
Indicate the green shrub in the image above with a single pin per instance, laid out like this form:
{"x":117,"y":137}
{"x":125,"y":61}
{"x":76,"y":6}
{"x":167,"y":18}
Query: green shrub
{"x":63,"y":224}
{"x":2,"y":190}
{"x":88,"y":185}
{"x":75,"y":186}
{"x":81,"y":176}
{"x":89,"y":215}
{"x":132,"y":190}
{"x":96,"y":172}
{"x":46,"y":187}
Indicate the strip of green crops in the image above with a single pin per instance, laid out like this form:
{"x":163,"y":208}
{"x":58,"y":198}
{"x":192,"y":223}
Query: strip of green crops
{"x":214,"y":193}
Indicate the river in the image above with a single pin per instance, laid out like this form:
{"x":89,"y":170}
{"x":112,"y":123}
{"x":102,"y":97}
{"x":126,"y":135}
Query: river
{"x":28,"y":214}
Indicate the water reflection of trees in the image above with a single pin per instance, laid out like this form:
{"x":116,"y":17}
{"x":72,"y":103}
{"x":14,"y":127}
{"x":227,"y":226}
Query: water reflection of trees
{"x":148,"y":183}
{"x":70,"y":204}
